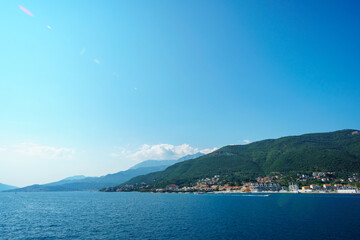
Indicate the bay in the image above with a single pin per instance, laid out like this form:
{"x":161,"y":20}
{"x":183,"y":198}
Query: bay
{"x":97,"y":215}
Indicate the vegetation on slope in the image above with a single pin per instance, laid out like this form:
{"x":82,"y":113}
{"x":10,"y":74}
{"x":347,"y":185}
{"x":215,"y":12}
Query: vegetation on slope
{"x":335,"y":151}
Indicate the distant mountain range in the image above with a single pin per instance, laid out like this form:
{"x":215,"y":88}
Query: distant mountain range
{"x":82,"y":183}
{"x":4,"y":187}
{"x":155,"y":163}
{"x":335,"y":151}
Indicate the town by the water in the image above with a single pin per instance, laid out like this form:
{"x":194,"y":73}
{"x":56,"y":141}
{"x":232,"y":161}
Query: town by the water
{"x":317,"y":182}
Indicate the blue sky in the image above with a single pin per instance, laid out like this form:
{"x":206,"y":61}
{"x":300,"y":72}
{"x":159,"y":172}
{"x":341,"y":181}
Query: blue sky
{"x":93,"y":87}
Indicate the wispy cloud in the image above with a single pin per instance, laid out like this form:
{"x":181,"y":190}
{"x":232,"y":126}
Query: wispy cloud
{"x":2,"y":149}
{"x":35,"y":150}
{"x":159,"y":152}
{"x":246,"y":141}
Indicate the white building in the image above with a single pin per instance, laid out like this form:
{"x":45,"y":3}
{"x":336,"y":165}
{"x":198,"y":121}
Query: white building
{"x":346,"y":191}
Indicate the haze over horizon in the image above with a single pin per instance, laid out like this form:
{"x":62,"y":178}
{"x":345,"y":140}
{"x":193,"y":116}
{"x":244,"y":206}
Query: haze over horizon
{"x":93,"y":87}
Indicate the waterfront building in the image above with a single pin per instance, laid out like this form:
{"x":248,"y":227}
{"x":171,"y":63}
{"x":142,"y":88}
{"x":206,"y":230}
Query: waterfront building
{"x":264,"y":187}
{"x":293,"y":187}
{"x":315,"y":187}
{"x":172,"y":187}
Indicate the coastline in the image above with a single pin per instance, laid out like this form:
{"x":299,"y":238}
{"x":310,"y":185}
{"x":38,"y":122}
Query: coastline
{"x":231,"y":192}
{"x":238,"y":192}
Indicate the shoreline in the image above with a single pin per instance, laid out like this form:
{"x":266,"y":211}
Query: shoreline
{"x":232,"y":192}
{"x":282,"y":192}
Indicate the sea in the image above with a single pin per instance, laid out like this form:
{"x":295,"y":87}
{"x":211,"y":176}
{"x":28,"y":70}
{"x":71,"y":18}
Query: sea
{"x":98,"y":215}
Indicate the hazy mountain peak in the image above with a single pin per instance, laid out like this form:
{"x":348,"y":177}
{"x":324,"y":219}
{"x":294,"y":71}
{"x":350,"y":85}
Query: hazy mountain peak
{"x":4,"y":187}
{"x":77,"y":177}
{"x":155,"y":163}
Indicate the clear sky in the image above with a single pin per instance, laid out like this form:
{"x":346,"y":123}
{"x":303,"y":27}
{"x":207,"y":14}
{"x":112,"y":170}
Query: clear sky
{"x":93,"y":87}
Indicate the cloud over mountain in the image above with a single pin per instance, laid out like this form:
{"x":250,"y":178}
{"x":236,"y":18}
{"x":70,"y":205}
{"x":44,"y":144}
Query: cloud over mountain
{"x":160,"y":152}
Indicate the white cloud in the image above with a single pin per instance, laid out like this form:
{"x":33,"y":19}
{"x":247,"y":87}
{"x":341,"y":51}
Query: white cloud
{"x":208,"y":150}
{"x":2,"y":149}
{"x":35,"y":150}
{"x":163,"y":151}
{"x":159,"y":152}
{"x":246,"y":141}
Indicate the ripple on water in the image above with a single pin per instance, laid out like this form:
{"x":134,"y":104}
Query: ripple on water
{"x":92,"y":215}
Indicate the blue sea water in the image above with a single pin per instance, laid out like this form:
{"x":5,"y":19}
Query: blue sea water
{"x":95,"y":215}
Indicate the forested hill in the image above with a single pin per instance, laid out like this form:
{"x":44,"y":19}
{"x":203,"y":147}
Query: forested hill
{"x":156,"y":163}
{"x":334,"y":151}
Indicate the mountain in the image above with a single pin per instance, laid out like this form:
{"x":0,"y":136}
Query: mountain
{"x":155,"y":163}
{"x":77,"y":177}
{"x":4,"y":187}
{"x":67,"y":180}
{"x":334,"y":151}
{"x":192,"y":156}
{"x":89,"y":183}
{"x":82,"y":183}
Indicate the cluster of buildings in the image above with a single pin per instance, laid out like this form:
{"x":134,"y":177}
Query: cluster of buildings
{"x":198,"y":188}
{"x":339,"y":188}
{"x":317,"y":182}
{"x":326,"y":177}
{"x":266,"y":187}
{"x":209,"y":181}
{"x":262,"y":187}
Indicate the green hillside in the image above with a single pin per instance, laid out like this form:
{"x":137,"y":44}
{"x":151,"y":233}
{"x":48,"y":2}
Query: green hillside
{"x":335,"y":151}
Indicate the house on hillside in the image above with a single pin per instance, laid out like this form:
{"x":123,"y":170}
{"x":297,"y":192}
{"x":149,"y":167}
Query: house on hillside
{"x":172,"y":187}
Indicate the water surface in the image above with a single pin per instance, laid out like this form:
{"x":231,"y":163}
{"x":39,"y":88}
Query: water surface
{"x":95,"y":215}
